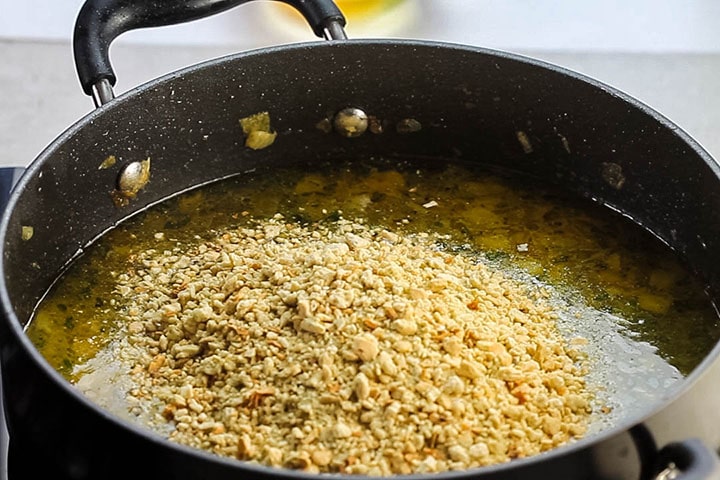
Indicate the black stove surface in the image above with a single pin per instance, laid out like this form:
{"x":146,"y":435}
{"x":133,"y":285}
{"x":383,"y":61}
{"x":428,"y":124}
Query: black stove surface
{"x":3,"y":439}
{"x":16,"y":461}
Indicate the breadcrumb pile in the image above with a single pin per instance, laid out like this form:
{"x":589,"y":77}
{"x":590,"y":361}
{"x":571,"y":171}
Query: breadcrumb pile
{"x":347,"y":348}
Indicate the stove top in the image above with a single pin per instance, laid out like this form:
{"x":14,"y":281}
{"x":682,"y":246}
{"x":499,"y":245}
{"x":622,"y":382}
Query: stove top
{"x":3,"y":441}
{"x":16,"y":462}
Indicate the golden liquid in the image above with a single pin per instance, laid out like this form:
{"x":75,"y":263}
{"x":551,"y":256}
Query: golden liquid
{"x":593,"y":255}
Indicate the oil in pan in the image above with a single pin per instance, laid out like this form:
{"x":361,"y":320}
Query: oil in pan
{"x":612,"y":293}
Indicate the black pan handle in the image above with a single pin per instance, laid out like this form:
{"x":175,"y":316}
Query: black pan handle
{"x":693,"y":459}
{"x":99,"y":22}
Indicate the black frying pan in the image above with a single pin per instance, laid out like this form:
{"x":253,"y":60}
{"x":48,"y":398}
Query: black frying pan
{"x":187,"y":122}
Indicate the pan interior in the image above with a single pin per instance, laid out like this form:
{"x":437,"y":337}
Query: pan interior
{"x":621,"y":295}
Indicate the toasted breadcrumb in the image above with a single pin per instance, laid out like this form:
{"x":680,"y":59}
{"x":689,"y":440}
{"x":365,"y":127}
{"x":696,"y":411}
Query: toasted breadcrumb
{"x":347,"y":348}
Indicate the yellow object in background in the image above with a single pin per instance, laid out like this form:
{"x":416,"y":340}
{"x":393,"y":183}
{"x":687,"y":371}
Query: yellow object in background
{"x":365,"y":18}
{"x":357,"y":10}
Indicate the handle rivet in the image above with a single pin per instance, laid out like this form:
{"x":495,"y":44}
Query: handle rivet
{"x":133,"y":177}
{"x":350,"y":122}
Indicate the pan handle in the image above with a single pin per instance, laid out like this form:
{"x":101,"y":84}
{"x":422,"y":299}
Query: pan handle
{"x":690,"y":459}
{"x":99,"y":22}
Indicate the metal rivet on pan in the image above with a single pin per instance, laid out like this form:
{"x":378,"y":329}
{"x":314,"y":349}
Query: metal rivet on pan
{"x":350,"y":122}
{"x":133,"y":177}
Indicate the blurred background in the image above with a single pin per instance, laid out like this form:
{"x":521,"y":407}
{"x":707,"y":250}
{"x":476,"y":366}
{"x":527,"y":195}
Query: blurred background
{"x":587,"y":25}
{"x":664,"y":52}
